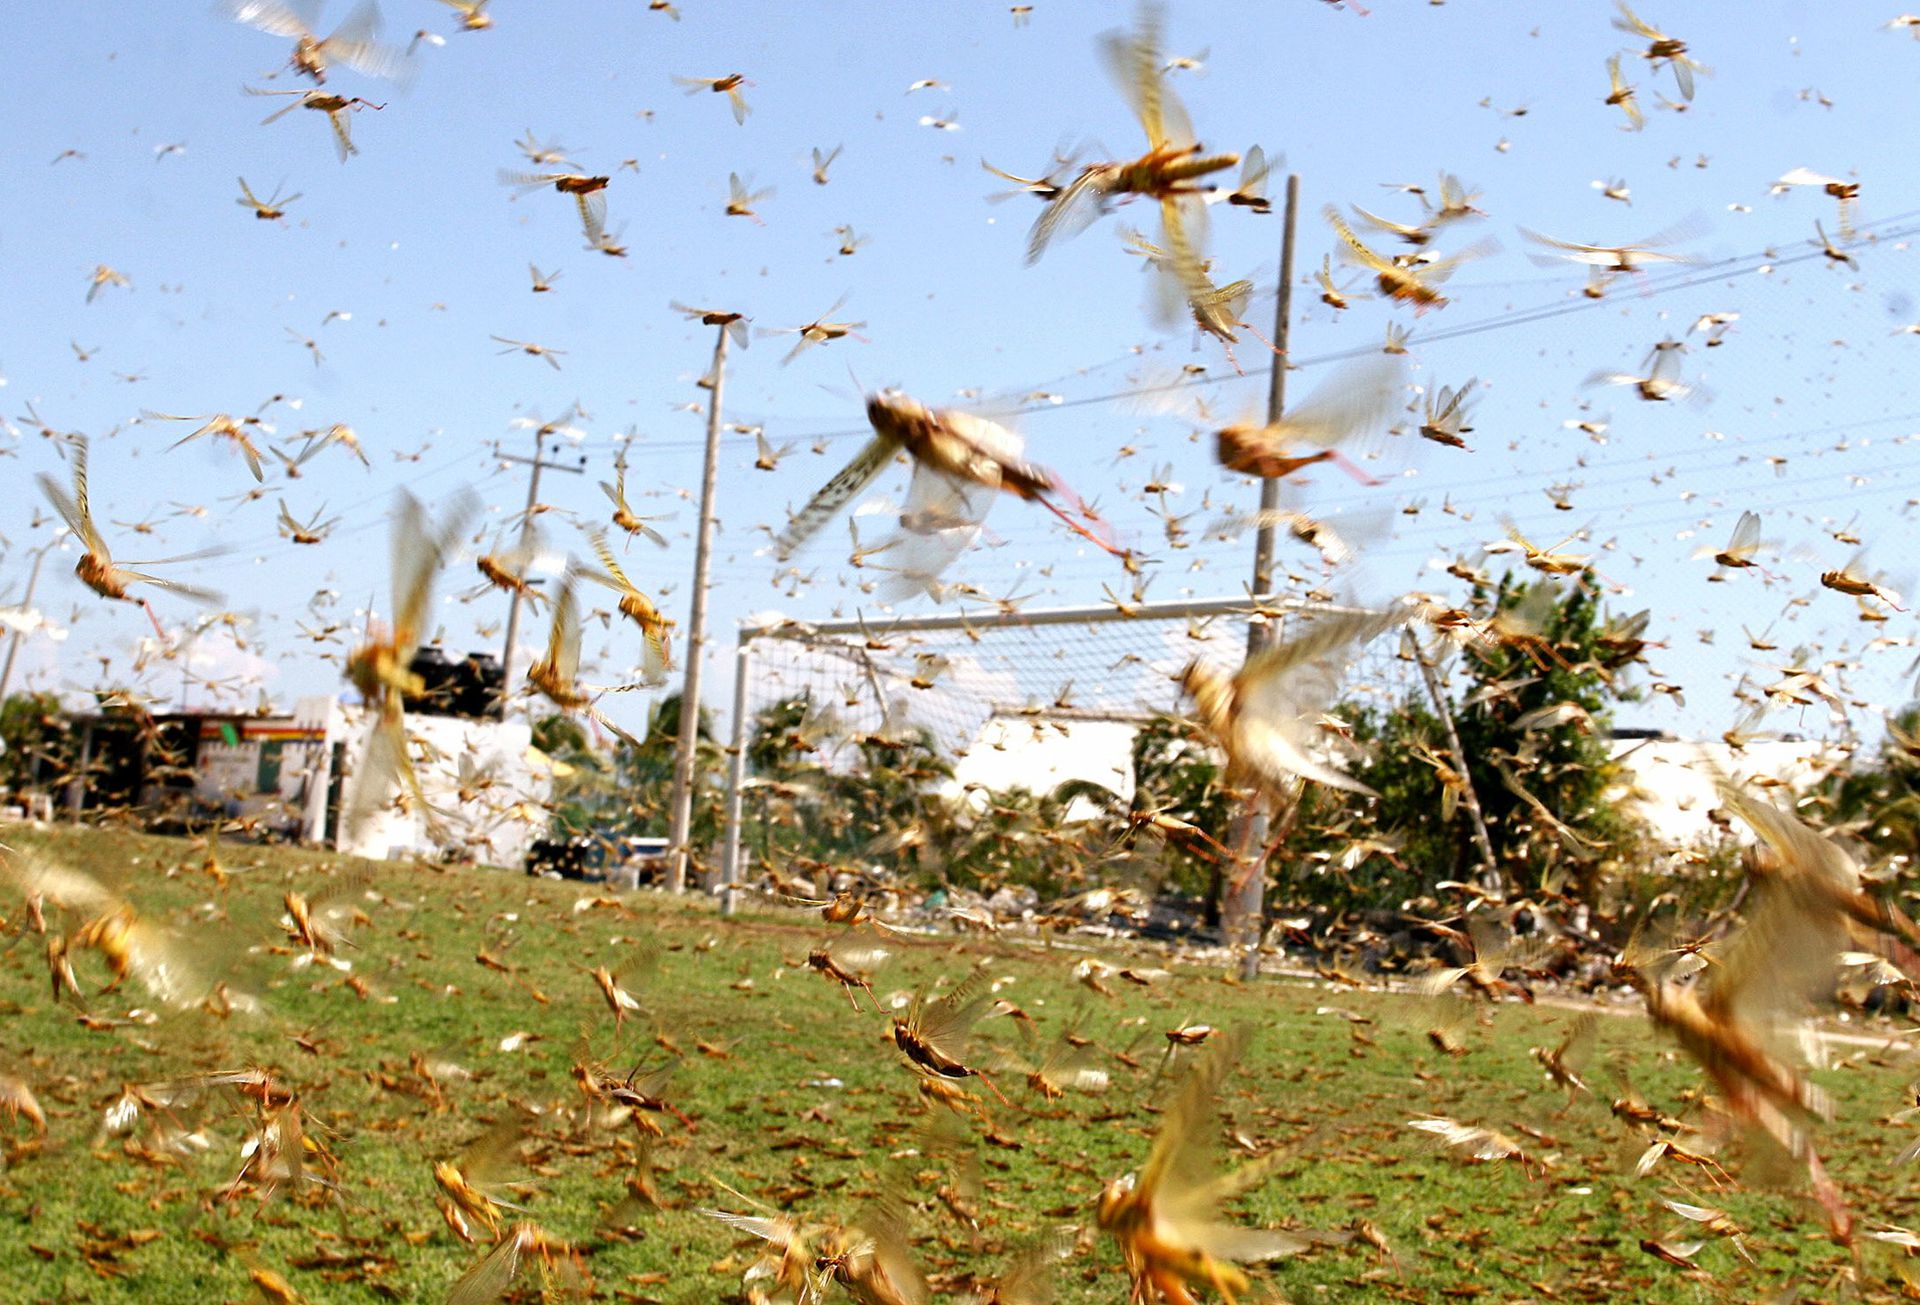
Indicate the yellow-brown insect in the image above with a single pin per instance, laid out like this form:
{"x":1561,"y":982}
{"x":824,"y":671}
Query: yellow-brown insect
{"x":1620,"y":95}
{"x":741,"y":200}
{"x":728,"y":85}
{"x":623,"y":514}
{"x":1164,"y":1217}
{"x":635,"y":606}
{"x":818,"y":331}
{"x":381,"y":668}
{"x":1413,"y":281}
{"x":1851,"y":581}
{"x":1352,"y":401}
{"x":336,"y":107}
{"x":1446,"y":416}
{"x":309,"y":532}
{"x":735,"y":323}
{"x":272,"y":1288}
{"x":589,"y":194}
{"x":352,"y":44}
{"x":96,"y":567}
{"x":1174,"y":160}
{"x":545,"y":353}
{"x":933,"y":1033}
{"x":1661,"y":48}
{"x":556,"y":673}
{"x":470,"y":1182}
{"x":221,"y":425}
{"x":951,"y":450}
{"x":102,"y":277}
{"x":270,"y":209}
{"x":822,"y":160}
{"x":473,"y":14}
{"x":848,"y":962}
{"x":1264,"y":716}
{"x":561,"y":1273}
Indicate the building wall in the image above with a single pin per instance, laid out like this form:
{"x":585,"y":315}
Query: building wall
{"x":260,"y":768}
{"x":509,"y":789}
{"x":1674,"y":782}
{"x":1039,"y":756}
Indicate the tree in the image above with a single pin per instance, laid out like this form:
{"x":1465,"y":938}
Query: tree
{"x":1880,"y":795}
{"x":643,"y":776}
{"x":581,"y":790}
{"x":38,"y":749}
{"x":786,"y":778}
{"x":1176,"y":774}
{"x":1533,"y":716}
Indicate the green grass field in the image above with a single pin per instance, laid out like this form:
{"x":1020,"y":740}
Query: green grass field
{"x":810,"y":1108}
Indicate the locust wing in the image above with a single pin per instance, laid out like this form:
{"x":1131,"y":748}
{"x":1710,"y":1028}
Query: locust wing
{"x":1183,"y":1182}
{"x":1282,"y":690}
{"x":74,"y":509}
{"x":1074,"y":208}
{"x":834,"y":495}
{"x":1355,"y":399}
{"x":420,"y":548}
{"x":1133,"y":61}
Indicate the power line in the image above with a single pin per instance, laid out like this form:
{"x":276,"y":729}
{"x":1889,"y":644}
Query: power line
{"x":1656,"y":284}
{"x":1737,"y":266}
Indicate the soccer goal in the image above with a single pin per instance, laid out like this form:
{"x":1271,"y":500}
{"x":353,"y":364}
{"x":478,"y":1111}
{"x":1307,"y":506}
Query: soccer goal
{"x":1003,"y":698}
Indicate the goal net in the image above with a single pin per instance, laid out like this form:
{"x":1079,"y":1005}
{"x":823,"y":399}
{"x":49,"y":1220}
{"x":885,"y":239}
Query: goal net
{"x":973,"y":706}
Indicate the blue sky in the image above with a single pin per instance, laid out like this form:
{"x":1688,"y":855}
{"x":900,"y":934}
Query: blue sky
{"x":418,"y":241}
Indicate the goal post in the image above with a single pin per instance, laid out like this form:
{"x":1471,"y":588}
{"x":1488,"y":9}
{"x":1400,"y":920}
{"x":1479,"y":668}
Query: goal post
{"x":1009,"y":695}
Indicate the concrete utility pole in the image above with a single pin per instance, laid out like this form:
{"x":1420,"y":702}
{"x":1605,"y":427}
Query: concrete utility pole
{"x":26,"y":601}
{"x":1245,"y":906}
{"x":679,"y":854}
{"x":541,"y":450}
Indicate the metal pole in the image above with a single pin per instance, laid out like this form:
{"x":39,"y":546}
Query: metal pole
{"x":1492,"y":878}
{"x":680,"y":830}
{"x":513,"y":604}
{"x":736,"y":776}
{"x":539,"y":464}
{"x":1276,"y":402}
{"x":1245,"y":906}
{"x":26,"y":602}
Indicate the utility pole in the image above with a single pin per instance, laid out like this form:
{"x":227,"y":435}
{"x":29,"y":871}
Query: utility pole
{"x":1245,"y":905}
{"x":26,"y":601}
{"x":679,"y":831}
{"x":541,"y":451}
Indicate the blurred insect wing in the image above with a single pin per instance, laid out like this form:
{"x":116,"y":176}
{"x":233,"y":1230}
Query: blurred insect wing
{"x":1134,"y":62}
{"x":1252,"y":190}
{"x":488,"y":1280}
{"x":1071,"y":210}
{"x":563,"y":640}
{"x":1353,"y":249}
{"x":1746,"y":536}
{"x":1354,"y":400}
{"x":834,"y":495}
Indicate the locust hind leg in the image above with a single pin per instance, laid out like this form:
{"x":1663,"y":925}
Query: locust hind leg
{"x":991,"y":1087}
{"x":1104,"y":545}
{"x":1352,"y":468}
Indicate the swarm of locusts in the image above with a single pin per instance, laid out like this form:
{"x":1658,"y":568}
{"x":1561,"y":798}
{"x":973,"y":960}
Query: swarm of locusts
{"x":962,"y":1041}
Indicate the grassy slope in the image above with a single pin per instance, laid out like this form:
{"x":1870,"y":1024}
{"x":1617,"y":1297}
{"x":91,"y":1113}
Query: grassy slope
{"x":1571,"y":1231}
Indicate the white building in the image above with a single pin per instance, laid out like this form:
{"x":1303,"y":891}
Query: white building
{"x":485,"y":784}
{"x":1041,"y":753}
{"x":1673,"y":783}
{"x":292,"y":775}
